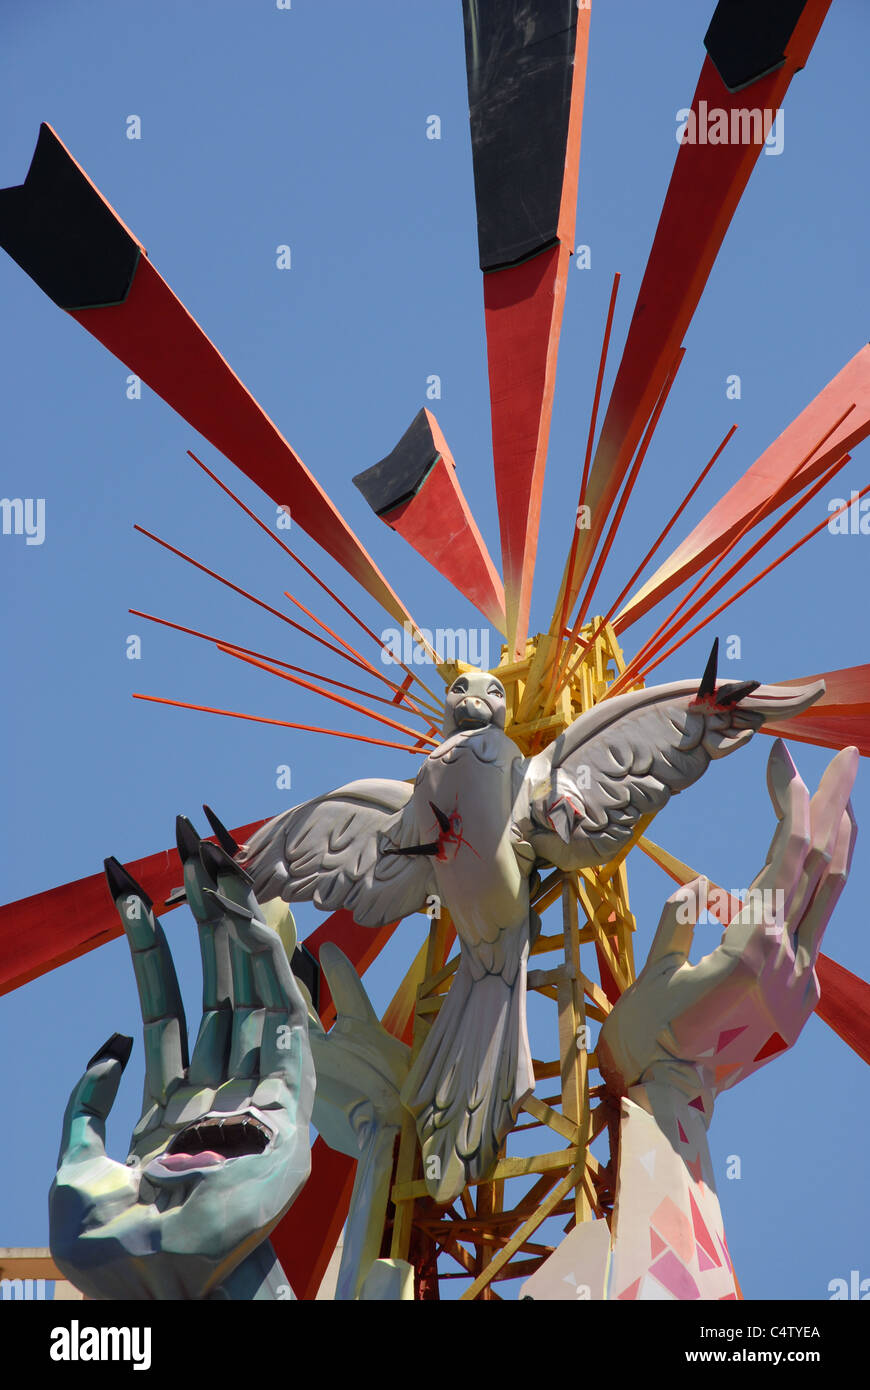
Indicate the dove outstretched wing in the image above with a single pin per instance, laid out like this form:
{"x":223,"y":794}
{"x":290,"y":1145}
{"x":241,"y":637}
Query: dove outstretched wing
{"x":336,"y":851}
{"x":627,"y":756}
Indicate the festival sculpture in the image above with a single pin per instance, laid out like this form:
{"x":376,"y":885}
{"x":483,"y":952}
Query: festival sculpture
{"x":498,"y":818}
{"x":537,"y":785}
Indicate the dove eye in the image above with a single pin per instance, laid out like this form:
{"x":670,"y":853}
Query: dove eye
{"x":496,"y":690}
{"x":459,"y":688}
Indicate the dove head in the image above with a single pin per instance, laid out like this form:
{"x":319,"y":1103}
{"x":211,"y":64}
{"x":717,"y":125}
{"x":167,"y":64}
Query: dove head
{"x":475,"y":700}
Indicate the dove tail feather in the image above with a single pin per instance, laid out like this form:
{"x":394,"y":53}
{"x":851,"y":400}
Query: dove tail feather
{"x":471,"y":1077}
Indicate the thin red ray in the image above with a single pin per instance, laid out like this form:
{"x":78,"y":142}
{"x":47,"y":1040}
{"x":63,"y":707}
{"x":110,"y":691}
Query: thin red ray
{"x":646,"y":559}
{"x":307,"y":568}
{"x":627,"y":491}
{"x":276,"y":660}
{"x":213,"y":574}
{"x":587,"y":459}
{"x":762,"y":573}
{"x":764,"y":486}
{"x":281,"y":723}
{"x":561,"y":670}
{"x":705,"y":188}
{"x":327,"y":694}
{"x":673,"y":621}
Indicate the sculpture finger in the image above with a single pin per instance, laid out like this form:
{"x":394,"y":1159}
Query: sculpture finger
{"x":347,"y":989}
{"x":791,"y":840}
{"x":282,"y":1007}
{"x":811,"y":929}
{"x":164,"y":1024}
{"x":208,"y":1065}
{"x":676,"y":927}
{"x":827,"y":809}
{"x":83,"y":1136}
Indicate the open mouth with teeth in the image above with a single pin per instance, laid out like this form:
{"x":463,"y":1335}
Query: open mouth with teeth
{"x":213,"y":1141}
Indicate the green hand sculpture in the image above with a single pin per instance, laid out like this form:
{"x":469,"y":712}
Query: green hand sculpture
{"x":222,"y":1147}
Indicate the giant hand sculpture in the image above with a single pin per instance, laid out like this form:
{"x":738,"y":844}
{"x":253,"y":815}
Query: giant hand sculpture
{"x":477,"y":819}
{"x":222,"y":1147}
{"x":683,"y":1033}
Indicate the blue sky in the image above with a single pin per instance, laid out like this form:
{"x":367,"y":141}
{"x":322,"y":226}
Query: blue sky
{"x":307,"y":127}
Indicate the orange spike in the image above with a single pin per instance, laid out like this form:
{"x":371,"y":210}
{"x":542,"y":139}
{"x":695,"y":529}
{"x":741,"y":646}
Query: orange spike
{"x":672,"y":624}
{"x":276,"y":660}
{"x":593,"y":418}
{"x":281,"y":723}
{"x":629,"y":485}
{"x":616,"y":519}
{"x":328,"y":694}
{"x":646,"y":559}
{"x":307,"y":568}
{"x":762,"y":573}
{"x":244,"y":593}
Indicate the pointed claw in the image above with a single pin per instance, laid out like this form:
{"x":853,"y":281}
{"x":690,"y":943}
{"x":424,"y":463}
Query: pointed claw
{"x":729,"y":695}
{"x":186,"y":839}
{"x":118,"y":1047}
{"x":224,"y":838}
{"x":442,"y":819}
{"x":122,"y":884}
{"x":216,"y":861}
{"x":708,"y":680}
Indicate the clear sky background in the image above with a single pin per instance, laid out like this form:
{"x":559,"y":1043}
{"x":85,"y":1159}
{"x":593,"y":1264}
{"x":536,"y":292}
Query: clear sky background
{"x":307,"y":127}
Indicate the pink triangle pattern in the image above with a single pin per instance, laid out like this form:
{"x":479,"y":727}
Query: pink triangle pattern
{"x":631,"y":1291}
{"x":656,"y":1244}
{"x":704,"y":1261}
{"x":702,"y":1235}
{"x":674,"y":1277}
{"x":697,"y":1104}
{"x":682,"y":1133}
{"x":727,"y":1036}
{"x":676,"y":1228}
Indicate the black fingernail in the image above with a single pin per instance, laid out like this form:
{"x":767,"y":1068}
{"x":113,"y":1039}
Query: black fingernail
{"x":224,"y":838}
{"x":186,"y":839}
{"x":118,"y":1047}
{"x":122,"y":884}
{"x":216,"y":861}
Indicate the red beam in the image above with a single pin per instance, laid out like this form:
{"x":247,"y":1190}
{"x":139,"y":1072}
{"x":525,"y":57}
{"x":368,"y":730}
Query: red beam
{"x":41,"y":932}
{"x":148,"y":328}
{"x":840,"y":719}
{"x":705,"y":188}
{"x":766,"y":485}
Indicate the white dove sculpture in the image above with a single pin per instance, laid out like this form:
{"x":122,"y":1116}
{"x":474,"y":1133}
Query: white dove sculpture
{"x":477,"y":820}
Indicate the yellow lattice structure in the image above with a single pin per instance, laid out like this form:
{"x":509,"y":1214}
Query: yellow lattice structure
{"x":490,"y":1237}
